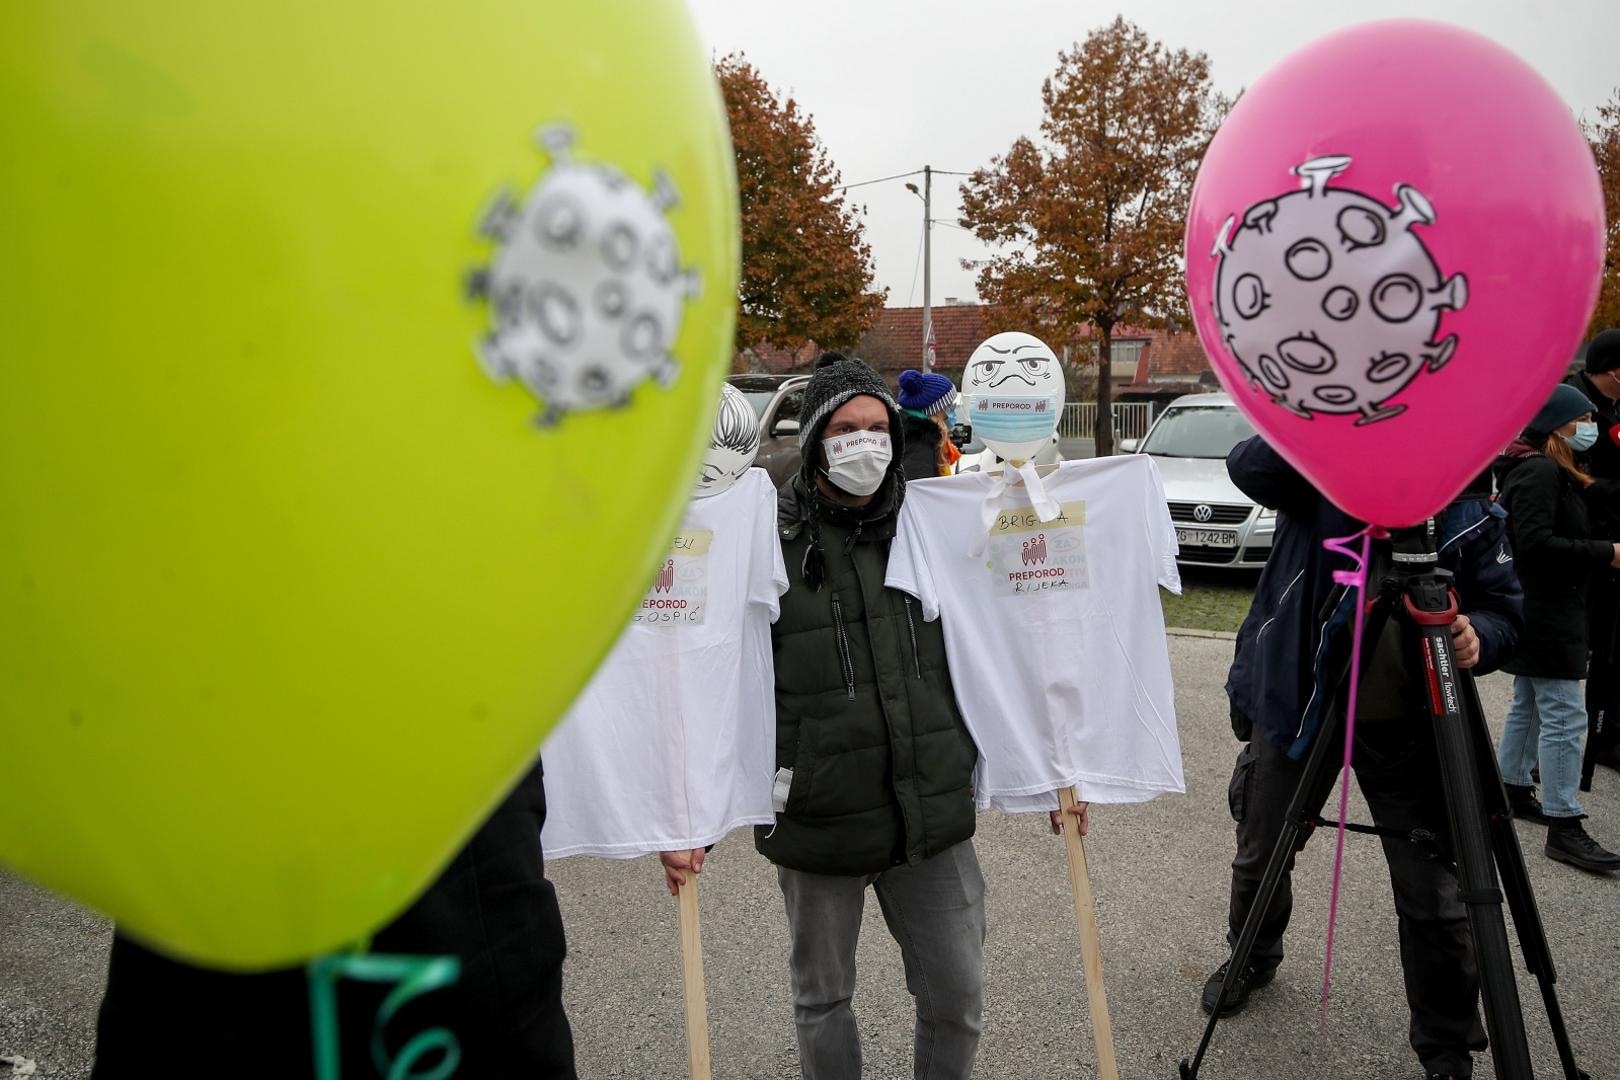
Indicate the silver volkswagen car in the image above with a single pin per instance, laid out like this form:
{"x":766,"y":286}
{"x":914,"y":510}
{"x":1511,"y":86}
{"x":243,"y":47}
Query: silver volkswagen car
{"x":1216,"y":524}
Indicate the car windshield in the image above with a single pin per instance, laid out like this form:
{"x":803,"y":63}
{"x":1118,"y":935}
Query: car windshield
{"x":1198,"y":431}
{"x":759,"y":399}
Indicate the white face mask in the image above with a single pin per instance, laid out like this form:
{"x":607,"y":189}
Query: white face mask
{"x":858,"y":462}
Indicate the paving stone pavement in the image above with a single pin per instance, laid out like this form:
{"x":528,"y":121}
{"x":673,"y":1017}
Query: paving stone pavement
{"x":1160,"y":876}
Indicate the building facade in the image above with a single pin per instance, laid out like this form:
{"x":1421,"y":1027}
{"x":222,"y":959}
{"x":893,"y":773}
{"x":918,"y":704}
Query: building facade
{"x":1147,"y":364}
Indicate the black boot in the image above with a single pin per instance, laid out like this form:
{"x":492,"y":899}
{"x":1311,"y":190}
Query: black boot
{"x":1250,"y":978}
{"x":1526,"y":807}
{"x":1568,"y":842}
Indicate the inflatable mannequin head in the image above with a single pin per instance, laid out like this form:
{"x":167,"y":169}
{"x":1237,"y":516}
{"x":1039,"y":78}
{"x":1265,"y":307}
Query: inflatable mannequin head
{"x":732,"y":447}
{"x":1014,"y":388}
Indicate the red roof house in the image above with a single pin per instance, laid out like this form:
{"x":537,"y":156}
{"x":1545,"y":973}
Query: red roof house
{"x":1146,"y":363}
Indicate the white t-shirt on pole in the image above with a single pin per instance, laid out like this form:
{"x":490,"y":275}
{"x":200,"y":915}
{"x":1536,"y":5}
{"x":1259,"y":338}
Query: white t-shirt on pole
{"x":1054,"y":631}
{"x":673,"y":742}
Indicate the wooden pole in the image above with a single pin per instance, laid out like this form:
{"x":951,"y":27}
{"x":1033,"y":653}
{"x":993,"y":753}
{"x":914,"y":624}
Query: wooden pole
{"x":697,"y":1008}
{"x":1085,"y":918}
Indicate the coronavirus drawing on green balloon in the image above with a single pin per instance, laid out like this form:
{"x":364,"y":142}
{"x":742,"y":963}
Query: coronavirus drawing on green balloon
{"x":586,"y":289}
{"x":1329,"y":300}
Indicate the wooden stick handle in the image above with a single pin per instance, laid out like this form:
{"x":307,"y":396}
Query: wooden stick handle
{"x":1085,"y":918}
{"x":697,"y":1007}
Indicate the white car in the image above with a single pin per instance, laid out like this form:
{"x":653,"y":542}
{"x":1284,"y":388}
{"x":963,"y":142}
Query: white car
{"x":1216,"y":524}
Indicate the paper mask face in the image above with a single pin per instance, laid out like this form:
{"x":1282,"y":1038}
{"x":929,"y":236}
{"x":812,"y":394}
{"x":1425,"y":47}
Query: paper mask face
{"x":1014,"y":391}
{"x":733,"y":447}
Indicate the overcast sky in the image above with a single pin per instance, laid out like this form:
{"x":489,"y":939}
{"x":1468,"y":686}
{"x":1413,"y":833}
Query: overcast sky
{"x":896,"y":84}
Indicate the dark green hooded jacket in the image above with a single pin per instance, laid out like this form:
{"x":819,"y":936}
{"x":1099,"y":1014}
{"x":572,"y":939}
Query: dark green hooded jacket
{"x":866,"y":717}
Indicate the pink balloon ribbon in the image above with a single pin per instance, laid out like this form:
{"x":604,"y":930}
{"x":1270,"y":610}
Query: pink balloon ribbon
{"x":1355,"y":579}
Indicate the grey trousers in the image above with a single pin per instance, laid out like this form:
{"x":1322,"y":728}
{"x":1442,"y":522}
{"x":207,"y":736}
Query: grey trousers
{"x":935,"y":910}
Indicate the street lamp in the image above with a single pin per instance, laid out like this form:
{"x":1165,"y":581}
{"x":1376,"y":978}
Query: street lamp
{"x":926,"y":195}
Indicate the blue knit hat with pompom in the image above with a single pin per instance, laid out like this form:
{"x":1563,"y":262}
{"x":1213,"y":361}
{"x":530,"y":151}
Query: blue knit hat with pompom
{"x":926,"y":392}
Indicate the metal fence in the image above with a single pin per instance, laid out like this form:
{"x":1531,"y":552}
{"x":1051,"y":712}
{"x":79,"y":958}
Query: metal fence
{"x":1131,"y":420}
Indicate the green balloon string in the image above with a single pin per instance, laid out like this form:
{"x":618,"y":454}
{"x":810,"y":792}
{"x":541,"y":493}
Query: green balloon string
{"x":413,"y":976}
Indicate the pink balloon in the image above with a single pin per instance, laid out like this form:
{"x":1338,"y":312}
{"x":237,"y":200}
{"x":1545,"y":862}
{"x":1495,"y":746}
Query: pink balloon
{"x":1393,"y":247}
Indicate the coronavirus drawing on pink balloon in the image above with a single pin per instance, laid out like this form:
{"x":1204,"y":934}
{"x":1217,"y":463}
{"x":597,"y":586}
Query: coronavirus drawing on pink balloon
{"x":1329,"y":300}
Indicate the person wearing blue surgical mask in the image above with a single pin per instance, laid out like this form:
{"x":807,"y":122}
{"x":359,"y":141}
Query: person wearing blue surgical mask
{"x":1545,"y":493}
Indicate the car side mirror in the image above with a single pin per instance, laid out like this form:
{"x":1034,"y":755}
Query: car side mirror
{"x":785,"y":426}
{"x":1129,"y":445}
{"x":961,"y":435}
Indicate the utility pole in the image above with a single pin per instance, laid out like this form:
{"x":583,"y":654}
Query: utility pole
{"x":928,"y":266}
{"x":927,"y":197}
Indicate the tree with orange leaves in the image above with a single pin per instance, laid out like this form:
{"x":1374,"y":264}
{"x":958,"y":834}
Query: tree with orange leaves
{"x":806,"y":272}
{"x":1605,"y":139}
{"x":1089,"y":220}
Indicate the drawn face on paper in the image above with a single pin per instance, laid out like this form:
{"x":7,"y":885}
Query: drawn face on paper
{"x":733,"y":446}
{"x":1014,"y":391}
{"x":1015,"y":364}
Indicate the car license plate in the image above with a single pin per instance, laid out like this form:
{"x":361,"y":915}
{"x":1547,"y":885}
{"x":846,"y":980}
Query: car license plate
{"x":1220,"y":538}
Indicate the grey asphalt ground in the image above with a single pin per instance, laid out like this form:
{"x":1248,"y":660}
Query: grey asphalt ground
{"x":1077,"y":448}
{"x":1160,"y":873}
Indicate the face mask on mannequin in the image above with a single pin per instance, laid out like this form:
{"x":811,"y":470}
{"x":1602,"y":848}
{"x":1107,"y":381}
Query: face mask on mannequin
{"x":1014,"y":389}
{"x":858,"y":462}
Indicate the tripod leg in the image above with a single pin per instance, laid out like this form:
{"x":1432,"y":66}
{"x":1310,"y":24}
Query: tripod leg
{"x":1472,"y":842}
{"x":1521,"y":897}
{"x":1302,"y":809}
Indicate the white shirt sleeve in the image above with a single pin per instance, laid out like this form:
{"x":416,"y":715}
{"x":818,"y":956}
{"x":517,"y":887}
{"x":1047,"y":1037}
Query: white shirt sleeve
{"x":1161,"y":531}
{"x":768,"y":574}
{"x":908,"y":561}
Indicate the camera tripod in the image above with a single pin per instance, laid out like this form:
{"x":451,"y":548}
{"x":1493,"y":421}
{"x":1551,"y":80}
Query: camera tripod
{"x":1418,"y":594}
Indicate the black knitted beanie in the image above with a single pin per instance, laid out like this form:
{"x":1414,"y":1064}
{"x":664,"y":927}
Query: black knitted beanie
{"x":837,"y":379}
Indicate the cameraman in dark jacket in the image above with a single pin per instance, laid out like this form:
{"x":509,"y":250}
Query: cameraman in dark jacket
{"x":875,"y":764}
{"x":1288,"y":669}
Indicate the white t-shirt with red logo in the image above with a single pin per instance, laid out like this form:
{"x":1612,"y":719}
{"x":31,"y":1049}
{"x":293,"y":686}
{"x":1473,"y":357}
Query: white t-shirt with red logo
{"x":673,"y":743}
{"x":1054,"y":630}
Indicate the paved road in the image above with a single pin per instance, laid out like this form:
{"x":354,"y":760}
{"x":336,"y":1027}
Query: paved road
{"x":1077,"y":448}
{"x":1160,"y":876}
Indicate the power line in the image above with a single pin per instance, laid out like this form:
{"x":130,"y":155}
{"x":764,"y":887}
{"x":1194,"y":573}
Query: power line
{"x":881,"y":179}
{"x":900,"y":176}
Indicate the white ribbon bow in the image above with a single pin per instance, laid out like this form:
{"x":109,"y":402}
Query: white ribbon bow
{"x":1046,"y":508}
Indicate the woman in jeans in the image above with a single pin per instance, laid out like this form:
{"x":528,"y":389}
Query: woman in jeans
{"x":1544,"y":493}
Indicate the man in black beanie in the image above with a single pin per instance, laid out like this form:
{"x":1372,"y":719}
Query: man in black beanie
{"x":1600,"y":382}
{"x":874,"y":764}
